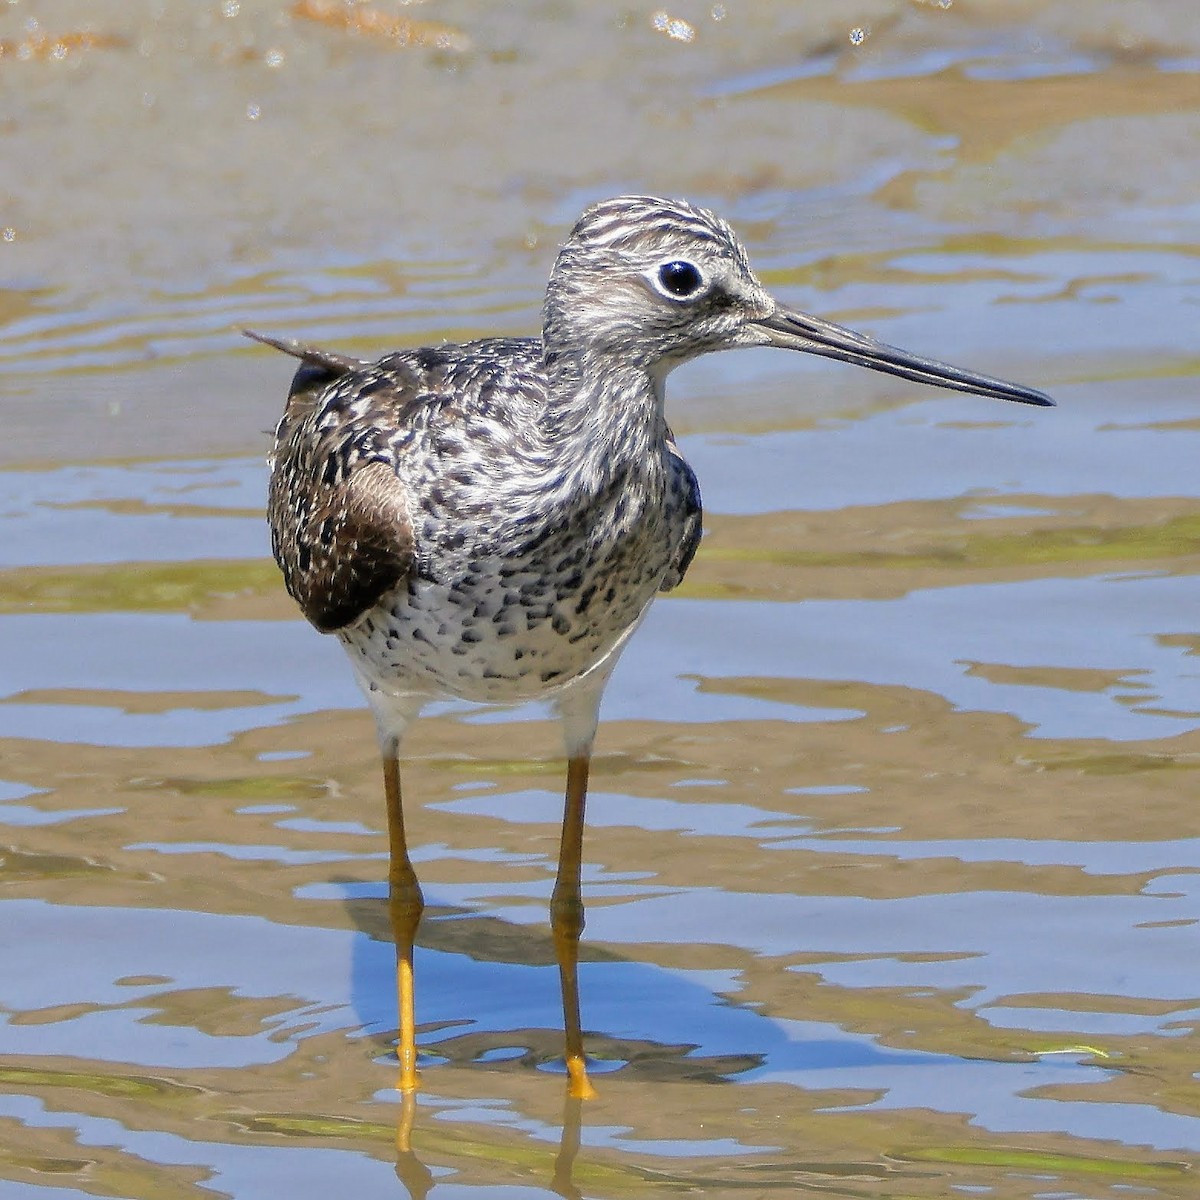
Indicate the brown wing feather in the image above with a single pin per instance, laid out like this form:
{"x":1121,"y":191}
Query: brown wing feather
{"x":340,"y":525}
{"x":351,"y":544}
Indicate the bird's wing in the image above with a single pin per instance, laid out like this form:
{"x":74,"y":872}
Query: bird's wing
{"x":341,"y":547}
{"x":685,"y":551}
{"x":339,"y":514}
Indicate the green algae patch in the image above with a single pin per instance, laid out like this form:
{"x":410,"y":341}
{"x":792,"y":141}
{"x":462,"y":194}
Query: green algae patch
{"x":318,"y":1126}
{"x":1041,"y":1161}
{"x":1130,"y":763}
{"x":122,"y":1086}
{"x":133,"y":587}
{"x":1174,"y":538}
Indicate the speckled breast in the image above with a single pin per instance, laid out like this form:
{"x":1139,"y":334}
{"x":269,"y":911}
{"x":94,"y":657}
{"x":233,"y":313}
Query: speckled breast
{"x":508,"y":627}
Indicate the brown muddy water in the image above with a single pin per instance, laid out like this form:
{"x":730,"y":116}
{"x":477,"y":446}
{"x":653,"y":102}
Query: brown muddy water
{"x":892,"y":866}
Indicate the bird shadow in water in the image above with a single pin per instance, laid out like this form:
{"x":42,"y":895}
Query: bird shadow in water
{"x":473,"y":971}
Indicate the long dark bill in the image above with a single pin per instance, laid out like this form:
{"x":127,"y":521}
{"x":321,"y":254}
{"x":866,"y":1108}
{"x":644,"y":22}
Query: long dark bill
{"x":799,"y":331}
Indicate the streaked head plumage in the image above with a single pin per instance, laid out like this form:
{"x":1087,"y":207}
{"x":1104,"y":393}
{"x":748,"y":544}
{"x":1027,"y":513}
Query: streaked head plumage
{"x":655,"y":280}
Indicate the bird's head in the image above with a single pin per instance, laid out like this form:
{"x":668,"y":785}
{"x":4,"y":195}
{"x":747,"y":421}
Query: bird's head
{"x":653,"y":283}
{"x":657,"y":282}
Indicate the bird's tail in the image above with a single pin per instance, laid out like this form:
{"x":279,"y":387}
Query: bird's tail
{"x":326,"y":360}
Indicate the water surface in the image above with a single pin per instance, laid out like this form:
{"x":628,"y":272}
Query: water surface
{"x":892,"y":861}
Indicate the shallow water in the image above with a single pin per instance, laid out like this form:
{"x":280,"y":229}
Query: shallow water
{"x":892,"y":865}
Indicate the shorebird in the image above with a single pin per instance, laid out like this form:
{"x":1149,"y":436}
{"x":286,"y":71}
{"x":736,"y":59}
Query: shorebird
{"x":491,"y":520}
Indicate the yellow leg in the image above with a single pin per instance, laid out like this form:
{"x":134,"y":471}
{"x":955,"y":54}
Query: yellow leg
{"x":405,"y":905}
{"x":566,"y":921}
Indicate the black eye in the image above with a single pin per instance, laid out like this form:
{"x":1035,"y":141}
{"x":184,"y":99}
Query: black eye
{"x":680,"y":278}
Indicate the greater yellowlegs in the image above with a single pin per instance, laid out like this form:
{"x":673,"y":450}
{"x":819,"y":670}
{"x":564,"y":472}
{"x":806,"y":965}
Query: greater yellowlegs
{"x":491,"y":520}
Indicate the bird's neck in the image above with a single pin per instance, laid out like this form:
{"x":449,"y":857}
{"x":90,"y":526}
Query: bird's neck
{"x":594,"y":457}
{"x":603,"y":408}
